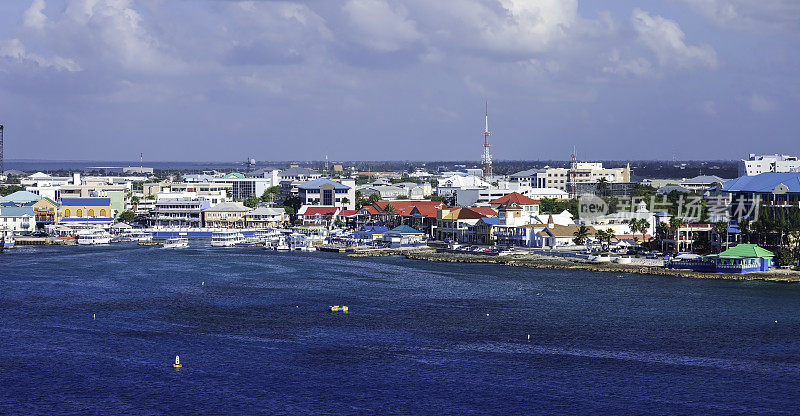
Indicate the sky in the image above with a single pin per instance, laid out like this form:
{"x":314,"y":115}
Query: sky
{"x":182,"y":80}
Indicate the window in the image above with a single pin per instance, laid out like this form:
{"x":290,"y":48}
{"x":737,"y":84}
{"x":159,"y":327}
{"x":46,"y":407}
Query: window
{"x":91,"y":213}
{"x":102,"y":213}
{"x":66,"y":213}
{"x":79,"y":213}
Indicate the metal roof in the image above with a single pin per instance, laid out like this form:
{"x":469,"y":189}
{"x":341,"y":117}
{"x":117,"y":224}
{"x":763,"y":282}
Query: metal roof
{"x":317,"y":183}
{"x":16,"y":211}
{"x":20,"y":197}
{"x":764,"y":182}
{"x":93,"y":202}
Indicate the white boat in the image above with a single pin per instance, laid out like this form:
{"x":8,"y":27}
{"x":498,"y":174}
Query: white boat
{"x":176,"y":243}
{"x":6,"y":238}
{"x":299,"y":242}
{"x":137,"y":236}
{"x":276,"y":244}
{"x":226,"y":238}
{"x":92,"y":237}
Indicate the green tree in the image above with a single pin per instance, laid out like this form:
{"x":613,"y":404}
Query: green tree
{"x":251,"y":201}
{"x":270,"y":193}
{"x":602,"y":187}
{"x":373,"y":198}
{"x":8,"y":190}
{"x":721,"y":230}
{"x":580,"y":235}
{"x":126,"y":216}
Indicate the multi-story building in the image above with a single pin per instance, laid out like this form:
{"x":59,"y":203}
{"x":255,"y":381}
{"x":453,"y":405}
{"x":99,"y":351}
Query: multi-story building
{"x":225,"y":215}
{"x":94,"y":211}
{"x":559,"y":178}
{"x":266,"y":217}
{"x":178,"y":213}
{"x":757,"y":164}
{"x":20,"y":220}
{"x":771,"y":188}
{"x":326,"y":192}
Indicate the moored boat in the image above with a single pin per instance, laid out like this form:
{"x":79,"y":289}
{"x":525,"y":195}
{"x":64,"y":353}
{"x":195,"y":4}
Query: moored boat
{"x":93,"y":237}
{"x":176,"y":243}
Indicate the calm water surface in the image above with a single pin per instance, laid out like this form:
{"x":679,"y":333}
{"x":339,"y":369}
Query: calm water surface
{"x":420,"y":338}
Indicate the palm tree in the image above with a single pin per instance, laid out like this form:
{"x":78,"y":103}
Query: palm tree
{"x":720,"y":229}
{"x":744,"y":229}
{"x":644,"y":226}
{"x":674,"y":224}
{"x":581,"y":234}
{"x":602,"y":186}
{"x":633,"y":224}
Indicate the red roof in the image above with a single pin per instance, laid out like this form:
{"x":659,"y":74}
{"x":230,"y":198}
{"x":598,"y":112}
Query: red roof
{"x":404,"y":207}
{"x":348,"y":212}
{"x":320,"y":210}
{"x":484,"y":211}
{"x":515,"y":197}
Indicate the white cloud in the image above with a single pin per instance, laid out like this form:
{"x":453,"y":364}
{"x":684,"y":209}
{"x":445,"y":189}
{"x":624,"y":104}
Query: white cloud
{"x":635,"y":67}
{"x":760,"y":104}
{"x":666,"y":40}
{"x":381,"y":27}
{"x":34,"y":17}
{"x":14,"y":49}
{"x":749,"y":14}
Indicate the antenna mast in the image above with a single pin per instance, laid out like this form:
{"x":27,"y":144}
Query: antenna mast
{"x":487,"y":157}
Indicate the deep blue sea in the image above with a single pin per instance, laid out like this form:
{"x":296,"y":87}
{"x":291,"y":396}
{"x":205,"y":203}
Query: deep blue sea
{"x":255,"y":336}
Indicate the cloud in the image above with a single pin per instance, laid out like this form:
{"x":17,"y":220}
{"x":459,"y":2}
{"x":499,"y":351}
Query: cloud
{"x":666,"y":40}
{"x":760,"y":104}
{"x":749,"y":14}
{"x":15,"y":51}
{"x":635,"y":67}
{"x":34,"y":17}
{"x":379,"y":26}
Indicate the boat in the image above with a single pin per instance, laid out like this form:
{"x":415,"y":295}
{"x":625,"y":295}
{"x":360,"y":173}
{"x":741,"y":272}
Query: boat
{"x":278,"y":245}
{"x":93,"y":237}
{"x":176,"y":243}
{"x":137,"y":236}
{"x":226,"y":238}
{"x":6,"y":238}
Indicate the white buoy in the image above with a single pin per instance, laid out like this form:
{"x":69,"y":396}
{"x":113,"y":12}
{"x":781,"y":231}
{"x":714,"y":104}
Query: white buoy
{"x":487,"y":314}
{"x":204,"y":283}
{"x":177,"y":362}
{"x":776,"y":322}
{"x":94,"y":316}
{"x":529,"y":337}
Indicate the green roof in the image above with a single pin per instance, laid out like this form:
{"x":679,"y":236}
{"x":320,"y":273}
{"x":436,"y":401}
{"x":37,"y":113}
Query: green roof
{"x":746,"y":250}
{"x":234,"y":175}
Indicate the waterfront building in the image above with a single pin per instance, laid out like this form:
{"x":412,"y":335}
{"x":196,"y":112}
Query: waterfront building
{"x":323,"y":216}
{"x":384,"y":192}
{"x":683,"y":239}
{"x":619,"y":222}
{"x":266,"y":217}
{"x":457,"y":224}
{"x":181,"y":213}
{"x":86,"y":211}
{"x":529,"y":206}
{"x":420,"y":214}
{"x":19,"y":198}
{"x":20,"y":220}
{"x":758,"y":164}
{"x":46,"y":211}
{"x":326,"y":192}
{"x":772,"y":189}
{"x":403,"y":236}
{"x":554,"y":235}
{"x":225,"y":215}
{"x":742,"y":258}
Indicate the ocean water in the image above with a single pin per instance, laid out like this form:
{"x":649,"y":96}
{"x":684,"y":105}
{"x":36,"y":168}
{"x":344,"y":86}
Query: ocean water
{"x":255,"y":337}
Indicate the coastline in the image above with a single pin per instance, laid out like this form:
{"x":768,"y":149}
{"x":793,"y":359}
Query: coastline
{"x":540,"y":261}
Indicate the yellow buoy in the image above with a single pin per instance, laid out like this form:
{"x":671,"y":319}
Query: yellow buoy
{"x":177,"y":362}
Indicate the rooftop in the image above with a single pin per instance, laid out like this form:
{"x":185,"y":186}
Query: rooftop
{"x":764,"y":182}
{"x":318,"y":183}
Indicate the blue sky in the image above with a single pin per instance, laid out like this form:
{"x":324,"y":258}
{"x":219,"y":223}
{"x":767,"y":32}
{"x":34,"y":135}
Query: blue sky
{"x":390,"y":80}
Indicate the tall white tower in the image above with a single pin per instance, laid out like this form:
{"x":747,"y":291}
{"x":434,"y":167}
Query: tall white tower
{"x":487,"y":157}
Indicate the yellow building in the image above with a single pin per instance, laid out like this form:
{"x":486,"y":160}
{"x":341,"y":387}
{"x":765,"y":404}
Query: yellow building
{"x":225,"y":215}
{"x":86,"y":210}
{"x":46,"y":211}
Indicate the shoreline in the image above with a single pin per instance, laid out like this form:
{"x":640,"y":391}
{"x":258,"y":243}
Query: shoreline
{"x":539,"y":261}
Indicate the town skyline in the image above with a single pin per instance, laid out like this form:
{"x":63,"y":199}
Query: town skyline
{"x":295,"y":81}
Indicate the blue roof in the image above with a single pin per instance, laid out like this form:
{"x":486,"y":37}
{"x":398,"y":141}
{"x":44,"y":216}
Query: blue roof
{"x":764,"y":182}
{"x":663,"y":214}
{"x":92,"y":202}
{"x":16,"y":211}
{"x":20,"y":197}
{"x":491,"y":220}
{"x":404,"y":229}
{"x":317,"y":183}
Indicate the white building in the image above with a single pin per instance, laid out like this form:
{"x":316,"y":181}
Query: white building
{"x":449,"y":186}
{"x":585,"y":172}
{"x":326,"y":192}
{"x":756,"y":164}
